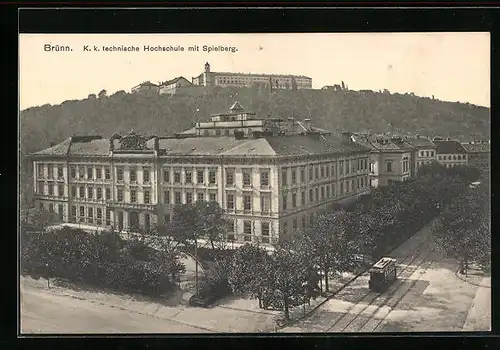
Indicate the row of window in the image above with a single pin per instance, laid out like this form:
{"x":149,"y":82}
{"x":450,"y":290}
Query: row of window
{"x":454,"y":157}
{"x":146,"y":174}
{"x":51,"y":189}
{"x":100,"y":192}
{"x":133,"y":195}
{"x":60,"y":208}
{"x":189,"y":176}
{"x":86,"y":172}
{"x":86,"y":214}
{"x":248,"y":231}
{"x":51,"y":169}
{"x":189,"y":197}
{"x":426,"y":153}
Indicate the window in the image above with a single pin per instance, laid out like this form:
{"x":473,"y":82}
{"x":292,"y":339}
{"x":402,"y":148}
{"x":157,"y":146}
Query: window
{"x":285,"y":227}
{"x":59,"y":172}
{"x":327,"y":169}
{"x":73,"y":211}
{"x":294,"y":176}
{"x":166,"y":176}
{"x":108,"y":193}
{"x":99,"y":193}
{"x":294,"y":200}
{"x":265,"y":203}
{"x":284,"y":199}
{"x":247,"y":202}
{"x":90,"y":174}
{"x":310,"y":174}
{"x":322,"y":172}
{"x":449,"y":157}
{"x":316,"y":172}
{"x":147,"y":197}
{"x":108,"y":217}
{"x":177,"y":198}
{"x":322,"y":192}
{"x":302,"y":175}
{"x":73,"y":191}
{"x":166,"y":197}
{"x":99,"y":216}
{"x":357,"y":182}
{"x":119,"y":174}
{"x":347,"y":166}
{"x":294,"y":224}
{"x":230,"y":201}
{"x":341,"y":187}
{"x":284,"y":176}
{"x":458,"y":157}
{"x":51,"y":190}
{"x":247,"y":177}
{"x":439,"y":157}
{"x":200,"y":176}
{"x":51,"y":207}
{"x":107,"y":173}
{"x":39,"y":170}
{"x":50,"y":171}
{"x":265,"y":232}
{"x":328,"y":191}
{"x":212,"y":173}
{"x":316,"y":193}
{"x":82,"y":192}
{"x":432,"y":153}
{"x":247,"y":231}
{"x":311,"y":196}
{"x":145,"y":175}
{"x":98,"y":173}
{"x":334,"y":171}
{"x":90,"y":192}
{"x":200,"y":196}
{"x":421,"y":153}
{"x":454,"y":157}
{"x":119,"y":193}
{"x":212,"y":197}
{"x":82,"y":211}
{"x":230,"y":230}
{"x":60,"y":191}
{"x":72,"y":172}
{"x":358,"y":165}
{"x":91,"y":215}
{"x":264,"y":178}
{"x":341,"y":167}
{"x":303,"y":198}
{"x":389,"y":167}
{"x":229,"y":177}
{"x":133,"y":174}
{"x":426,"y":153}
{"x":189,"y":176}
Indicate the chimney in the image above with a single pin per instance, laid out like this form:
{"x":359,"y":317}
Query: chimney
{"x":239,"y":135}
{"x":307,"y":123}
{"x":157,"y":144}
{"x":347,"y":136}
{"x":111,"y":144}
{"x":257,"y":134}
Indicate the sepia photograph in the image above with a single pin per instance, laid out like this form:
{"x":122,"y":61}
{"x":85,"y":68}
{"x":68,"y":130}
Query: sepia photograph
{"x":254,"y":183}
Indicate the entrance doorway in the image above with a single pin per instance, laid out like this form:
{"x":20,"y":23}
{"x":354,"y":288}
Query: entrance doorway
{"x":134,"y":220}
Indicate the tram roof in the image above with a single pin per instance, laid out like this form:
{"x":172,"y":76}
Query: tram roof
{"x":382,"y":263}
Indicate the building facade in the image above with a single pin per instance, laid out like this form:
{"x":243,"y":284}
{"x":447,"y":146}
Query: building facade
{"x":276,"y":81}
{"x":478,"y":156}
{"x":268,"y":185}
{"x":146,"y":88}
{"x":391,"y":158}
{"x":425,"y":150}
{"x":174,"y":86}
{"x":450,"y":153}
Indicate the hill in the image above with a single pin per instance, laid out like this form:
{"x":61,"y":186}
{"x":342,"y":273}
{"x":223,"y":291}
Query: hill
{"x":333,"y":110}
{"x":328,"y":109}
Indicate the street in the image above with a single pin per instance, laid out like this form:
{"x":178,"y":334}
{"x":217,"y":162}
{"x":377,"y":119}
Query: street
{"x":427,"y":296}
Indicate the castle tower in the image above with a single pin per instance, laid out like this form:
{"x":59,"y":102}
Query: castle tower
{"x":207,"y":68}
{"x":207,"y":75}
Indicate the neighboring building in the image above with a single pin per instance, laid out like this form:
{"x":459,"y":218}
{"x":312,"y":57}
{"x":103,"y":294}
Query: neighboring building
{"x":146,"y":87}
{"x":478,"y":155}
{"x":269,"y":185}
{"x":391,"y":158}
{"x":425,"y":150}
{"x":276,"y":81}
{"x":241,"y":123}
{"x":450,"y":153}
{"x":173,"y":86}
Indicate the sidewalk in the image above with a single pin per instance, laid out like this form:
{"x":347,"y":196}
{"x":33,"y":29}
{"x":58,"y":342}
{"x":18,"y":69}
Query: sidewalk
{"x":479,"y":317}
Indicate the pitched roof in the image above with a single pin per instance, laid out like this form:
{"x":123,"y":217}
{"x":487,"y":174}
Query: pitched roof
{"x":477,"y":147}
{"x":390,"y":145}
{"x":61,"y":149}
{"x":449,"y":147}
{"x":236,"y":107}
{"x":262,"y":75}
{"x":172,"y":81}
{"x":99,"y":147}
{"x":420,"y":142}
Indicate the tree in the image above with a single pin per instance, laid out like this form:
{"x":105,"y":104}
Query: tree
{"x":102,"y":94}
{"x":210,"y":221}
{"x":249,"y":271}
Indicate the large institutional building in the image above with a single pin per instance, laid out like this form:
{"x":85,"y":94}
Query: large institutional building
{"x":269,"y":180}
{"x":277,"y":81}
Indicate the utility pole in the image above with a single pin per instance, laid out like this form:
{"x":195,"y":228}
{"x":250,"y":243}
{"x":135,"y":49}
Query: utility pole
{"x":196,"y":262}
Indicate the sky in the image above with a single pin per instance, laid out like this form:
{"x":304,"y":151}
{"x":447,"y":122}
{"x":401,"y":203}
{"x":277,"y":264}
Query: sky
{"x":450,"y":66}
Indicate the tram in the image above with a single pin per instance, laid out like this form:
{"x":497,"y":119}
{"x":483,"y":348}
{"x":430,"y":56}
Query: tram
{"x":382,"y":274}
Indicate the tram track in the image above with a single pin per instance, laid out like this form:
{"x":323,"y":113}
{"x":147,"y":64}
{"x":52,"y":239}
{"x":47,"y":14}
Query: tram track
{"x":409,"y":268}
